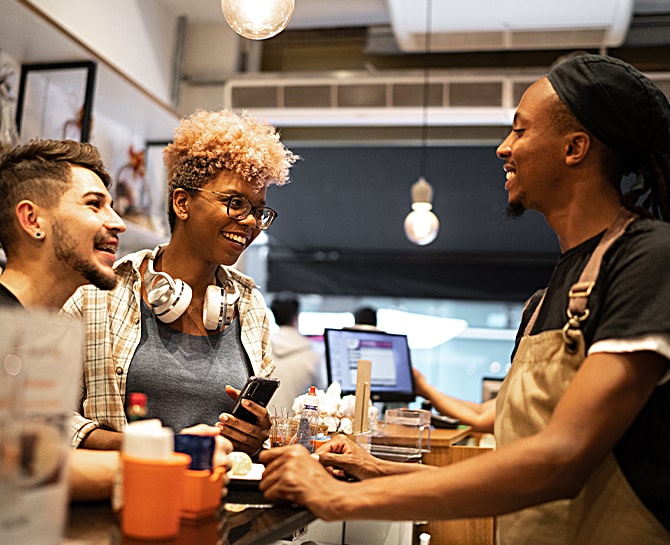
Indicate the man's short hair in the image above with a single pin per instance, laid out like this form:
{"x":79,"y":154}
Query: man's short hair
{"x":40,"y":171}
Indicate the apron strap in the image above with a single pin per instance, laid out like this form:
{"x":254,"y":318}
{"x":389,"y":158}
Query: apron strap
{"x":531,"y":322}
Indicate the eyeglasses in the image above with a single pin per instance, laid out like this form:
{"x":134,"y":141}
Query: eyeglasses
{"x":239,"y":207}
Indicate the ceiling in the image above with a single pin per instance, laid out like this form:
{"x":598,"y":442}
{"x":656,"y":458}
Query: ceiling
{"x":341,"y":13}
{"x":307,"y":14}
{"x":359,"y":38}
{"x":322,"y":14}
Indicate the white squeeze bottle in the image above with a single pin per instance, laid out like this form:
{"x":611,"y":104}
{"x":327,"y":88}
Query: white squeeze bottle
{"x":309,"y":420}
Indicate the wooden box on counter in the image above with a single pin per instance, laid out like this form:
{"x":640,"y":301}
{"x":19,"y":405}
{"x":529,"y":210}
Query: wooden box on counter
{"x":448,"y":447}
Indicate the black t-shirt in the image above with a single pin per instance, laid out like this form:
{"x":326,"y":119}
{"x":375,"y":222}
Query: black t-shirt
{"x":631,"y":298}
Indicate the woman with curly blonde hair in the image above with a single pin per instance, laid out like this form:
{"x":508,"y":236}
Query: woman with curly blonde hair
{"x":183,"y":326}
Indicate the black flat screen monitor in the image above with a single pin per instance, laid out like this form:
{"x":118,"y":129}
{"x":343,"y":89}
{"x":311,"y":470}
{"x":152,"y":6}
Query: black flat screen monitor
{"x":391,"y":372}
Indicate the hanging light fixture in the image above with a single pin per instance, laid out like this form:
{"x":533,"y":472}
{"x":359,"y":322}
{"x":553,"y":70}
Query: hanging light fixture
{"x":421,"y":224}
{"x":257,"y":19}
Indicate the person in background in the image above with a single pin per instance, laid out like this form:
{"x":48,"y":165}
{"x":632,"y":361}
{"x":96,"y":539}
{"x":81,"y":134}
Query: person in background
{"x":365,"y":318}
{"x":480,"y":416}
{"x":183,"y":326}
{"x":297,"y":364}
{"x":581,"y":428}
{"x":59,"y":232}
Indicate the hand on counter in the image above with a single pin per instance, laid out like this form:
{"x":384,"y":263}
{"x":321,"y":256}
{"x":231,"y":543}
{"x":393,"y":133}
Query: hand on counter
{"x":92,"y":473}
{"x":294,"y":475}
{"x":343,"y":458}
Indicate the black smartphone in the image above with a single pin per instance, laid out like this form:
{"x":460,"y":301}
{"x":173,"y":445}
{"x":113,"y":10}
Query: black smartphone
{"x":257,"y":389}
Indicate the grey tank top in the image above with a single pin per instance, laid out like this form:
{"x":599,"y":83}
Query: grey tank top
{"x":184,"y":376}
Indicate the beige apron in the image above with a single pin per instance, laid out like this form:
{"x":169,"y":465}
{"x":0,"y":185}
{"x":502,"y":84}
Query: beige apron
{"x":606,"y":511}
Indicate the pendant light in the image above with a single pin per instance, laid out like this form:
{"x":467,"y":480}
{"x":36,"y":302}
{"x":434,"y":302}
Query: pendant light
{"x":421,"y":224}
{"x":257,"y":19}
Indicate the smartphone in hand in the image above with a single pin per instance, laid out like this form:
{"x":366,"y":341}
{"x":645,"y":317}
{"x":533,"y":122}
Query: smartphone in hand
{"x":257,"y":389}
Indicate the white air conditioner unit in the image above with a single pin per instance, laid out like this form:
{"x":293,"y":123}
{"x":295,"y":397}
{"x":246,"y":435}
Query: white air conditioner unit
{"x":486,"y":25}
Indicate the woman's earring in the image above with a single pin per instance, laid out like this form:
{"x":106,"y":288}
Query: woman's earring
{"x":38,"y":234}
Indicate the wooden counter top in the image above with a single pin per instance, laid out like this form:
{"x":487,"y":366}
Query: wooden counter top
{"x":440,"y":437}
{"x":94,"y":523}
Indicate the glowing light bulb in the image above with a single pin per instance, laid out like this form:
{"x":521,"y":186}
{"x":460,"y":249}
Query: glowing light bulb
{"x":257,"y":19}
{"x":421,"y":224}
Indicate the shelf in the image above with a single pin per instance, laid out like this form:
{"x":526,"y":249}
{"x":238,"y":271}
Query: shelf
{"x":31,"y":37}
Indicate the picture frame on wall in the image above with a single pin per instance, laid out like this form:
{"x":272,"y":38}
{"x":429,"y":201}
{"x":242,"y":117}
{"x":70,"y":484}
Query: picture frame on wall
{"x":56,"y":100}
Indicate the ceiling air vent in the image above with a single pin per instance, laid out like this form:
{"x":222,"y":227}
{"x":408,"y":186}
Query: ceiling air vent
{"x":385,"y":99}
{"x":481,"y":25}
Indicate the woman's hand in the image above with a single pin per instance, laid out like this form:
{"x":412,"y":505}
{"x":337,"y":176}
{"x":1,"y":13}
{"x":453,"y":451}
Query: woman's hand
{"x":244,"y":436}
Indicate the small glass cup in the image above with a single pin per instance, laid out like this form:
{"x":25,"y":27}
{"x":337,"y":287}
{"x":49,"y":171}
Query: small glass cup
{"x":280,"y":432}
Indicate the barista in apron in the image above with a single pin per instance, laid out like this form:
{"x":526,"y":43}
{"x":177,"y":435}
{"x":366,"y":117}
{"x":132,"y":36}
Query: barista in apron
{"x":606,"y":510}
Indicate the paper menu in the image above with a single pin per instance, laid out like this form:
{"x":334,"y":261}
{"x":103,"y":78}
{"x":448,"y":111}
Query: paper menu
{"x":40,"y":374}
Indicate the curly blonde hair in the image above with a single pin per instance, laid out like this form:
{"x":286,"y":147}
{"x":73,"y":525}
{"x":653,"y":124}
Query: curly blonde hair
{"x":206,"y":143}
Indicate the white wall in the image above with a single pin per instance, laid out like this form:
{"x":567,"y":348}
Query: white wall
{"x":211,"y":53}
{"x":135,"y":36}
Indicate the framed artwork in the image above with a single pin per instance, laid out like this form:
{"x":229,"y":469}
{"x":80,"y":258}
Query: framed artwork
{"x":56,"y":100}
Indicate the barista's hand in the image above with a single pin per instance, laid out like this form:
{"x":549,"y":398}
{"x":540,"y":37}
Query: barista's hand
{"x":245,"y":437}
{"x":292,"y":474}
{"x":343,"y":457}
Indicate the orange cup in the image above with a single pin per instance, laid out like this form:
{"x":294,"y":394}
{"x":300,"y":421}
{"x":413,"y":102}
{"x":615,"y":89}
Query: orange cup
{"x":202,"y":492}
{"x":152,"y":496}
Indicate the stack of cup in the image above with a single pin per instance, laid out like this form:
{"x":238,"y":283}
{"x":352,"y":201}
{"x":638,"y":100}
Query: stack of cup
{"x":153,"y":481}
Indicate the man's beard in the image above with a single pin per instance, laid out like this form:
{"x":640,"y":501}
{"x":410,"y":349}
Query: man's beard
{"x":67,"y":254}
{"x":515,"y":209}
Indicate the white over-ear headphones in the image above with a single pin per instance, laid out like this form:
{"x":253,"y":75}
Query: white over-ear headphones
{"x":169,"y":298}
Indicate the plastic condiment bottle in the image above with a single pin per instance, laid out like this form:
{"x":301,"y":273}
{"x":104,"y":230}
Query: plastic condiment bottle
{"x":136,"y":409}
{"x":309,"y":420}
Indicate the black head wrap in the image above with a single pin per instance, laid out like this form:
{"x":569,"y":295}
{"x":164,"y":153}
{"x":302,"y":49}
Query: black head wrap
{"x":625,"y":110}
